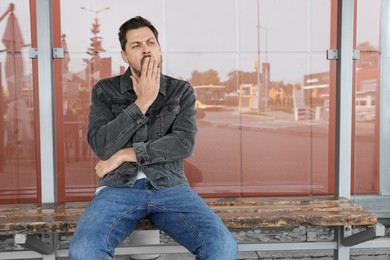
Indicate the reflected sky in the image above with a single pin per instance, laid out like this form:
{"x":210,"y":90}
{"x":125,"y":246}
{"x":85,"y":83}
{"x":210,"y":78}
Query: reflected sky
{"x":196,"y":34}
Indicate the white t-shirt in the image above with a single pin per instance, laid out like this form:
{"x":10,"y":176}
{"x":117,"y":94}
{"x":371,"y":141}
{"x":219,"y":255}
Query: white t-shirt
{"x":140,"y":175}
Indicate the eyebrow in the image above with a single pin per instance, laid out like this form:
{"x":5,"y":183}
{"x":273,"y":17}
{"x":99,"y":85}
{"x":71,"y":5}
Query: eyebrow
{"x":138,"y":42}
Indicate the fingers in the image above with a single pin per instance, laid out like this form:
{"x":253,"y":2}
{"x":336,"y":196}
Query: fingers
{"x":144,"y":67}
{"x":150,"y":68}
{"x":98,"y":169}
{"x":158,"y":74}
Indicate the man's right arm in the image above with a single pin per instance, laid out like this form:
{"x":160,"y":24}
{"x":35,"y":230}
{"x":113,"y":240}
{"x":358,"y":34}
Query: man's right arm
{"x":108,"y":134}
{"x":117,"y":159}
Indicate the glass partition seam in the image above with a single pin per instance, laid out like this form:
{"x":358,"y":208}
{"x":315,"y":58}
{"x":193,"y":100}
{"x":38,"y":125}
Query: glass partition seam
{"x":240,"y":118}
{"x":384,"y":162}
{"x":34,"y":44}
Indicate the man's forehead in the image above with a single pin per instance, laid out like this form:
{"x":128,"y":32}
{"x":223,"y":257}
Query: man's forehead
{"x":139,"y":35}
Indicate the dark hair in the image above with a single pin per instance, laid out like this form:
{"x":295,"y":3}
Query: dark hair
{"x":131,"y":24}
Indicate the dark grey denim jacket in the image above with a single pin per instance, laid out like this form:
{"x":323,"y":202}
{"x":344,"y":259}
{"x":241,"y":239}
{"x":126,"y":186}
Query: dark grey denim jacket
{"x":162,"y":138}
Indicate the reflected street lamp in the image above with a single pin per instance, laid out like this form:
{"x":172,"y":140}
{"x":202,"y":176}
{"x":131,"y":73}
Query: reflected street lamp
{"x":266,"y":72}
{"x":95,"y":47}
{"x":265,"y":76}
{"x":266,"y":41}
{"x":258,"y":57}
{"x":94,"y":11}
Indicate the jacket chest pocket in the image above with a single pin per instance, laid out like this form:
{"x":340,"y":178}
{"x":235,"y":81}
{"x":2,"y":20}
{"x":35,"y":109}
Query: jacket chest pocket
{"x":165,"y":117}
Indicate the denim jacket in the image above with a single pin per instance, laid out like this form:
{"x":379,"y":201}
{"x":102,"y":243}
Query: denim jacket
{"x":162,"y":138}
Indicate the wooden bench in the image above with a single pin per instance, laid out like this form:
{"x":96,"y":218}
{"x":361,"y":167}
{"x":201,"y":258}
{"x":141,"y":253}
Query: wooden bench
{"x":25,"y":220}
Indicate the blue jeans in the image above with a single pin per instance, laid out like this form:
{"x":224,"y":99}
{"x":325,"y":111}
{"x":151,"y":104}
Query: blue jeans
{"x":178,"y":211}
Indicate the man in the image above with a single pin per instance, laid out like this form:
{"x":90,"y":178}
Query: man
{"x":142,"y":125}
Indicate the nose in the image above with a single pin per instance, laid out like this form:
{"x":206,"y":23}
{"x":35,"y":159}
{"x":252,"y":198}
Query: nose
{"x":145,"y":50}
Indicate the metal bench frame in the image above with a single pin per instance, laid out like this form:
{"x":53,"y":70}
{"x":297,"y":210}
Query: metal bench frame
{"x":45,"y":247}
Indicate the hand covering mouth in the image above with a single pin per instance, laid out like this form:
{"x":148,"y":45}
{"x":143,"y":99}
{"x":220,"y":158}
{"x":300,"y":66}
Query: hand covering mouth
{"x":138,"y":72}
{"x":143,"y":59}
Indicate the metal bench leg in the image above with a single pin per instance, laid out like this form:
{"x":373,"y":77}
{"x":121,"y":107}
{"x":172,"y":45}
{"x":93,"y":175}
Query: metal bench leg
{"x":49,"y":257}
{"x":145,"y":237}
{"x":371,"y":232}
{"x":45,"y":246}
{"x":342,"y":252}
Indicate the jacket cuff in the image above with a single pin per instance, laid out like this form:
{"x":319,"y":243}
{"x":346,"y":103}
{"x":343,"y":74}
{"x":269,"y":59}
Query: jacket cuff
{"x":141,"y":154}
{"x":136,"y":114}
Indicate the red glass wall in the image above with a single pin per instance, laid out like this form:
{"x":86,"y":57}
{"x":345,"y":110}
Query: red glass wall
{"x":262,"y":82}
{"x":367,"y":97}
{"x":265,"y":93}
{"x":19,"y":167}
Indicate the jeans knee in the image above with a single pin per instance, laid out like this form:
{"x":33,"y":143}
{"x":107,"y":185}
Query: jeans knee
{"x":76,"y":251}
{"x":85,"y":249}
{"x":220,"y":248}
{"x":231,"y":247}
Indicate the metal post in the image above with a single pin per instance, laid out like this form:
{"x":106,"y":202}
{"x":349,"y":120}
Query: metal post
{"x":345,"y":23}
{"x":344,"y":99}
{"x":46,"y":101}
{"x":342,"y":252}
{"x":384,"y":101}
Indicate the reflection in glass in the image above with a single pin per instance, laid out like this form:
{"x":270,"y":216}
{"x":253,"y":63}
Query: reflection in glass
{"x":264,"y":90}
{"x":264,"y":129}
{"x":367,"y":99}
{"x":17,"y":134}
{"x":79,"y":162}
{"x":262,"y":99}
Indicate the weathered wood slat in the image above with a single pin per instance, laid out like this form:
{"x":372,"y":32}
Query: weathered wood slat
{"x":235,"y":212}
{"x":219,"y":210}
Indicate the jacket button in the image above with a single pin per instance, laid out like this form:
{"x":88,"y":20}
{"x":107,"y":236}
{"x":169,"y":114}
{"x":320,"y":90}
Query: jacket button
{"x":142,"y":161}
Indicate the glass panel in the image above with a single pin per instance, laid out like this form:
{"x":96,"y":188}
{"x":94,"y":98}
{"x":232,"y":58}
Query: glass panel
{"x":261,"y":87}
{"x":285,"y":133}
{"x":18,"y":157}
{"x":92,"y":53}
{"x":383,"y":207}
{"x":371,"y":182}
{"x":213,"y":31}
{"x":367,"y":86}
{"x":217,"y":145}
{"x":385,"y":102}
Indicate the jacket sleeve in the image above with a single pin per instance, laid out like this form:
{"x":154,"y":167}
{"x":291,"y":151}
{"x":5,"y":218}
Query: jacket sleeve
{"x":177,"y":144}
{"x":107,"y":133}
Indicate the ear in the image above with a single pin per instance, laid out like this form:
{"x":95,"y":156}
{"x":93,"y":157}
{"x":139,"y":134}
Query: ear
{"x":124,"y":58}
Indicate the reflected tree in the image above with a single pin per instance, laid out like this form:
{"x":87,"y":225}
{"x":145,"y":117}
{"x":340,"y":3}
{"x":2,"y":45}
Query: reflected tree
{"x":369,"y":55}
{"x":209,"y":77}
